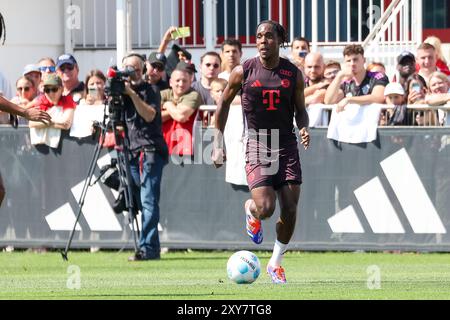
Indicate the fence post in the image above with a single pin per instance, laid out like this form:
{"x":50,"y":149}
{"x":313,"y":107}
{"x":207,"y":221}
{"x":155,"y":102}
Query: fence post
{"x":68,"y":43}
{"x":129,"y":25}
{"x":314,"y":26}
{"x":419,"y":21}
{"x":121,"y":29}
{"x":209,"y":29}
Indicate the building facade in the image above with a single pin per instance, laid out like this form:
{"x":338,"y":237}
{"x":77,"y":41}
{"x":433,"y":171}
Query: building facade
{"x":88,"y":28}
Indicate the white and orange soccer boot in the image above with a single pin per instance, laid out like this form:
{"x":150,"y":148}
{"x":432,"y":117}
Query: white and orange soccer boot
{"x":276,"y":274}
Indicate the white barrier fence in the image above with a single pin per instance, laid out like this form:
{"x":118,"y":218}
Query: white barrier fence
{"x":418,"y":115}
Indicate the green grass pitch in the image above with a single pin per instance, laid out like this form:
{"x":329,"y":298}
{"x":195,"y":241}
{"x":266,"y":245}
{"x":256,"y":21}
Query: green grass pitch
{"x":201,"y":275}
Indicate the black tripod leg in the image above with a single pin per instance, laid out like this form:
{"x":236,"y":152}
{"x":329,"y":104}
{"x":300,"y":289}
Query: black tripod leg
{"x":127,"y":180}
{"x":86,"y":185}
{"x":132,"y":209}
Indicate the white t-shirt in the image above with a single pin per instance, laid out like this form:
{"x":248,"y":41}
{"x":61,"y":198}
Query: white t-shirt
{"x":233,"y":136}
{"x":225,"y":75}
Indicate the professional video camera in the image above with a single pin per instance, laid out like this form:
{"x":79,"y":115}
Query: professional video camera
{"x":114,"y":90}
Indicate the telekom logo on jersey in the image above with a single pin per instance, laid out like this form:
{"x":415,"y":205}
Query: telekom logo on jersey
{"x":271,"y":98}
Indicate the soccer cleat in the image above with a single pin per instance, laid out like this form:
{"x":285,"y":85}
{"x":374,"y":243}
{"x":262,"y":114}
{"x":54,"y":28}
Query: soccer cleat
{"x":277,"y":274}
{"x":253,"y":225}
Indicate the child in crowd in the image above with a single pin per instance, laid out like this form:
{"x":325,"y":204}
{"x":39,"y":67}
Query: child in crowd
{"x":53,"y":96}
{"x":217,"y":87}
{"x":396,"y":114}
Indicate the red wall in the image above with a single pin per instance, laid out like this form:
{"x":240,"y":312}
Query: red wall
{"x":443,"y":34}
{"x":189,"y":20}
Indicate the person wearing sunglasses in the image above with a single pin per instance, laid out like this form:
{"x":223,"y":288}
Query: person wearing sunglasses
{"x":67,"y":69}
{"x":53,"y":97}
{"x":210,"y":64}
{"x":155,"y":74}
{"x":46,"y":65}
{"x":25,"y":93}
{"x":34,"y":73}
{"x":142,"y":108}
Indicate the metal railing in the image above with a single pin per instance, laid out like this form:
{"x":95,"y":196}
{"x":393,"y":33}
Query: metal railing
{"x":326,"y":23}
{"x":399,"y":28}
{"x":419,"y":115}
{"x":150,"y":20}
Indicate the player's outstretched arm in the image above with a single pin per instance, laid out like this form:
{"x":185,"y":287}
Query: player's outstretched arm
{"x":223,"y":107}
{"x":301,"y":116}
{"x":10,"y":107}
{"x":2,"y":190}
{"x":32,"y":114}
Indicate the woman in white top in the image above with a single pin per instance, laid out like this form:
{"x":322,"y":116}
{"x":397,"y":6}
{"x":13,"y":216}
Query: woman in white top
{"x":95,"y":88}
{"x":92,"y":108}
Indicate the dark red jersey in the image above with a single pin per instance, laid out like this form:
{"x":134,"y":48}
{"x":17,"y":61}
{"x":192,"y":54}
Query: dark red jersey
{"x":268,"y":97}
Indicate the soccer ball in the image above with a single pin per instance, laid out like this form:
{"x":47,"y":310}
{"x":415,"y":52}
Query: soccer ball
{"x":243,"y":267}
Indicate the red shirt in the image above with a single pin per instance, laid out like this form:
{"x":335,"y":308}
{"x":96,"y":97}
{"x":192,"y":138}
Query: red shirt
{"x":178,"y":136}
{"x":443,"y":67}
{"x":66,"y":102}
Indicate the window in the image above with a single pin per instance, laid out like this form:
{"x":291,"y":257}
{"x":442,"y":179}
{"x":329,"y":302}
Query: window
{"x":436,"y":14}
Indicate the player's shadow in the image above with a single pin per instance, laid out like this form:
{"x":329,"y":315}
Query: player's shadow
{"x":193,"y":258}
{"x":146,"y":295}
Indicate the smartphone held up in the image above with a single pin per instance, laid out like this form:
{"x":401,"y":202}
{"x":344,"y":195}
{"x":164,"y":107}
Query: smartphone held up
{"x":182,"y":32}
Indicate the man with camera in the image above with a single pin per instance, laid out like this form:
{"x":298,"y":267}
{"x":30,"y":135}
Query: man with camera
{"x":148,"y":153}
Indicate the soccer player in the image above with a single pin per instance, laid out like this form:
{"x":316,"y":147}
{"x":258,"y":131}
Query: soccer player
{"x":272,"y":95}
{"x":30,"y":114}
{"x":5,"y":105}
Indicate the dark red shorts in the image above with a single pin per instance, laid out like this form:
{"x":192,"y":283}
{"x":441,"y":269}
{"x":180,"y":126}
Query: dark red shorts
{"x":283,"y":169}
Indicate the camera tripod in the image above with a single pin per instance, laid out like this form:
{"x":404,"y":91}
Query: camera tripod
{"x":123,"y":164}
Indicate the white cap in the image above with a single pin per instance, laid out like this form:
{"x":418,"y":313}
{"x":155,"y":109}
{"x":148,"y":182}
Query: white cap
{"x":30,"y":68}
{"x":394,"y":88}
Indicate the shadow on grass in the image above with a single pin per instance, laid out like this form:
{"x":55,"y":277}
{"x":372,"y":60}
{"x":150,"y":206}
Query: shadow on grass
{"x":106,"y":296}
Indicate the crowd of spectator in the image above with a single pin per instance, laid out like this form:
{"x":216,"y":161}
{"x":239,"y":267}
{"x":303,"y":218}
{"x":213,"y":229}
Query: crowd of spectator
{"x":421,"y":78}
{"x":413,"y":96}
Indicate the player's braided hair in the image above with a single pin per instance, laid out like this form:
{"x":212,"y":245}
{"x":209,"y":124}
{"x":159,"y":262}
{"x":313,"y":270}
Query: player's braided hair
{"x":2,"y":29}
{"x":279,"y":29}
